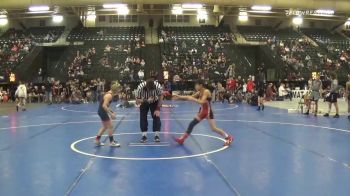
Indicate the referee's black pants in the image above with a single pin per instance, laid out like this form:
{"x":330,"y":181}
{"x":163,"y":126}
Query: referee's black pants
{"x":144,"y":108}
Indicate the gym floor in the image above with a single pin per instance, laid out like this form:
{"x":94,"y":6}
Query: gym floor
{"x":49,"y":151}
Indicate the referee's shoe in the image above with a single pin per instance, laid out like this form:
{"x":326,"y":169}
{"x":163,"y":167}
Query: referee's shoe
{"x":156,"y":138}
{"x":143,"y":139}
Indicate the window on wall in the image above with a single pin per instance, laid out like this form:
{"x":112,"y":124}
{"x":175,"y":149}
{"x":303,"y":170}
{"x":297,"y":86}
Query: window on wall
{"x":201,"y":21}
{"x":176,"y":19}
{"x":258,"y":22}
{"x":102,"y":18}
{"x":42,"y":23}
{"x":123,"y":18}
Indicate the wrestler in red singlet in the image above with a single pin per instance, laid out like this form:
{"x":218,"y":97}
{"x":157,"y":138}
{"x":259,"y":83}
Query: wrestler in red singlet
{"x":202,"y":97}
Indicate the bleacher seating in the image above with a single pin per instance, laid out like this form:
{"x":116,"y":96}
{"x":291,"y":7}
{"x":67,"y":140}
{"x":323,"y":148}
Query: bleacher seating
{"x":323,"y":36}
{"x":14,"y":46}
{"x":44,"y":34}
{"x":194,"y":52}
{"x":106,"y":33}
{"x":107,"y":52}
{"x":262,"y":34}
{"x":36,"y":34}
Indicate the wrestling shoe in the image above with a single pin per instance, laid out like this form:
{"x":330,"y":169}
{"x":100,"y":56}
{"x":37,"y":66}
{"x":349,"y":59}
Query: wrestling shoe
{"x":98,"y":143}
{"x":143,"y":139}
{"x":156,"y":138}
{"x":17,"y":108}
{"x":228,"y":140}
{"x":114,"y":144}
{"x":336,"y":116}
{"x":180,"y":140}
{"x":349,"y":117}
{"x":306,"y":113}
{"x":263,"y":107}
{"x":326,"y":115}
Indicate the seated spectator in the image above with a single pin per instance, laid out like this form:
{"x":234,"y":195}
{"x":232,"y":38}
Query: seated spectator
{"x":283,"y":92}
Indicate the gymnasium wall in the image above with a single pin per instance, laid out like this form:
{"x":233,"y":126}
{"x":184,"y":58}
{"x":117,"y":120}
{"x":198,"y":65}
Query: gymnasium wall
{"x":143,"y":20}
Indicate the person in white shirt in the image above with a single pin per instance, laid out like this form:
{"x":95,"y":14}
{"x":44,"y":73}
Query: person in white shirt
{"x":282,"y":92}
{"x":21,"y":94}
{"x":141,"y":74}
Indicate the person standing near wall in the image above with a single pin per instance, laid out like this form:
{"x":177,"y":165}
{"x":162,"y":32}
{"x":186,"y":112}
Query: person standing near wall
{"x":48,"y":92}
{"x":21,"y":94}
{"x":315,"y":94}
{"x":333,"y":96}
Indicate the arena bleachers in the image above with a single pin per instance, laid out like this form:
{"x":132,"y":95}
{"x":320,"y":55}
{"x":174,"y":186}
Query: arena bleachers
{"x":323,"y":36}
{"x":106,"y":33}
{"x":107,"y":52}
{"x":262,"y":34}
{"x":14,"y":46}
{"x":195,"y":52}
{"x":44,"y":34}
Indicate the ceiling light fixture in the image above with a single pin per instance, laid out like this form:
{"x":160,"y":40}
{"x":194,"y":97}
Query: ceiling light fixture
{"x":243,"y":16}
{"x":192,"y":6}
{"x":261,"y":7}
{"x":115,"y":5}
{"x":57,"y":18}
{"x":177,"y":10}
{"x":39,"y":8}
{"x":202,"y":14}
{"x":298,"y":20}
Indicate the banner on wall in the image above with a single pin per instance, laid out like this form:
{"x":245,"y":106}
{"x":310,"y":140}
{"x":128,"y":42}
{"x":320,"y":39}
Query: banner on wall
{"x":293,"y":12}
{"x":299,"y":93}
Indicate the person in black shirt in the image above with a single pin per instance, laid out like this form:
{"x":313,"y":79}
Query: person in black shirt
{"x":48,"y":92}
{"x":261,"y":96}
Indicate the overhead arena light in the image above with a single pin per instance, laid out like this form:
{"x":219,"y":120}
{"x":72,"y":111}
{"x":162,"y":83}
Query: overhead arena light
{"x":243,"y":16}
{"x":202,"y":14}
{"x":91,"y":16}
{"x":192,"y":6}
{"x":39,"y":8}
{"x":298,"y":20}
{"x":347,"y":22}
{"x":3,"y":20}
{"x":114,"y":5}
{"x":57,"y":18}
{"x":261,"y":7}
{"x":123,"y":11}
{"x":177,"y":10}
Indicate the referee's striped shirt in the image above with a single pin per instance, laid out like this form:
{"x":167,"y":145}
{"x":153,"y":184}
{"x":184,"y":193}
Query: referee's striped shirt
{"x":143,"y":93}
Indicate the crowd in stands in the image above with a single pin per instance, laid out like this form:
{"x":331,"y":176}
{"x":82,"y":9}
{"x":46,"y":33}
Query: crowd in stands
{"x":72,"y":91}
{"x":14,"y":46}
{"x":116,"y":49}
{"x":118,"y":57}
{"x":193,"y":55}
{"x":320,"y":51}
{"x":294,"y":55}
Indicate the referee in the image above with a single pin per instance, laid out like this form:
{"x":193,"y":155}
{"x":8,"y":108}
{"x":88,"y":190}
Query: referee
{"x":149,"y":95}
